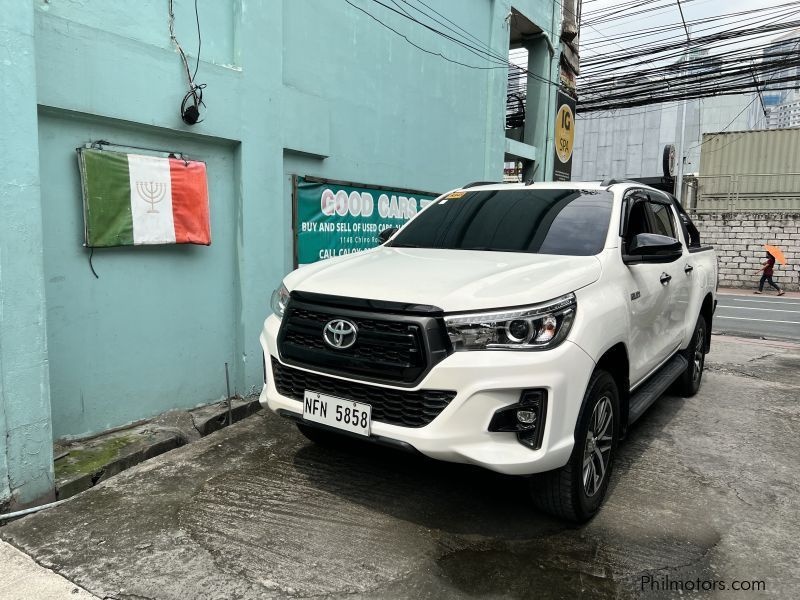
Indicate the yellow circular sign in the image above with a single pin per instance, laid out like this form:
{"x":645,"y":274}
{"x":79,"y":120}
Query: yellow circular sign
{"x":565,"y":133}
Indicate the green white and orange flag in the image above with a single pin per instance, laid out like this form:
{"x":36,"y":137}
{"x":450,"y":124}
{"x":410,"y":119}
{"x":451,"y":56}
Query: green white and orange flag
{"x":133,"y":199}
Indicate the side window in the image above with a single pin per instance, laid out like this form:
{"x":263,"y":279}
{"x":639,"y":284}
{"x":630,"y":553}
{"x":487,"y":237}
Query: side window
{"x":662,"y":222}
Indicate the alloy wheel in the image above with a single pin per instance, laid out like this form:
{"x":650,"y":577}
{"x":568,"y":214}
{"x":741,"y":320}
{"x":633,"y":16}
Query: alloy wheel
{"x":699,"y":355}
{"x":597,"y":451}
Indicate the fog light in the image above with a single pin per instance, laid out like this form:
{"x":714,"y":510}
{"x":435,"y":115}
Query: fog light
{"x":526,"y":417}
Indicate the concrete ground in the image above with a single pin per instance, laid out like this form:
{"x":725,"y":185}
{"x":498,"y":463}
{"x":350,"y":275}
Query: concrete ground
{"x":704,"y":489}
{"x":22,"y":579}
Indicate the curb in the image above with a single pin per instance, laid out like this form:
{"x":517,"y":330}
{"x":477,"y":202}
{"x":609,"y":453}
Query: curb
{"x":82,"y":464}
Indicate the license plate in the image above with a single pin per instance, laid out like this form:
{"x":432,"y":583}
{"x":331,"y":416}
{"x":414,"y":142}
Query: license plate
{"x":347,"y":415}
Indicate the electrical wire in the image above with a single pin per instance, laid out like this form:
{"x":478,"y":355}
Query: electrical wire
{"x":199,"y":40}
{"x":602,"y":88}
{"x":736,"y":139}
{"x":617,"y":63}
{"x":668,"y":49}
{"x":637,"y":51}
{"x":466,"y":40}
{"x":727,"y":18}
{"x":189,"y":113}
{"x":176,"y":42}
{"x":417,"y":46}
{"x":485,"y":52}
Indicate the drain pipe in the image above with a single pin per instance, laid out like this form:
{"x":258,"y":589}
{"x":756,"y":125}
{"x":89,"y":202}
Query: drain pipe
{"x":27,"y":511}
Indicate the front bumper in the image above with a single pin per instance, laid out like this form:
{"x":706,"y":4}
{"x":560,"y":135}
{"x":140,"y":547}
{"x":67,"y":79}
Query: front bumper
{"x":485,"y":382}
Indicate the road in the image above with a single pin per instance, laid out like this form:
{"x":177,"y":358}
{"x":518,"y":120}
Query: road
{"x":760,"y":316}
{"x":703,"y":488}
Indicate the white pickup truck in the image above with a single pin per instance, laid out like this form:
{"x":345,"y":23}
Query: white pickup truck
{"x":521,"y":328}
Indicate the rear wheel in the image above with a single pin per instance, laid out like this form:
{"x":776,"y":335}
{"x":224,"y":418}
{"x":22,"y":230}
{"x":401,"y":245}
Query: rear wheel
{"x":689,"y":381}
{"x":576,"y":491}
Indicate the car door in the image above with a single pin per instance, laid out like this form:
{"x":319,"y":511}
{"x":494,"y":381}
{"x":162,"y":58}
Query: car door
{"x":648,"y":294}
{"x":665,"y":222}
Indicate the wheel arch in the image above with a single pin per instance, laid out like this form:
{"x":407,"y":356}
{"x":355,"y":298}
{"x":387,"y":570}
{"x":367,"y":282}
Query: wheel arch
{"x":615,"y":362}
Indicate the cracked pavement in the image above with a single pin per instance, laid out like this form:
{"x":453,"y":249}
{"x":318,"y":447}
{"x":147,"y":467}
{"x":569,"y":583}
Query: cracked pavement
{"x":703,"y":488}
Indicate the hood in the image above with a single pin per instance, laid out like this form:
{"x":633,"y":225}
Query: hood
{"x":453,"y":280}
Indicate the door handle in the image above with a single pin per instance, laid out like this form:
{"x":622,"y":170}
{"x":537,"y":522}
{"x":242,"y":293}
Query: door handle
{"x":688,"y":269}
{"x":665,"y":278}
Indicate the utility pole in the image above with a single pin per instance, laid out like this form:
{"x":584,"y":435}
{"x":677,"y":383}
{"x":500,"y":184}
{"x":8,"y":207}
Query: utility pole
{"x":679,"y":177}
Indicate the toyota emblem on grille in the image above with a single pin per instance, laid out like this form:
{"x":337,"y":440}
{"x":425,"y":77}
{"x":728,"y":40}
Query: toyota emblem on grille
{"x":340,"y":334}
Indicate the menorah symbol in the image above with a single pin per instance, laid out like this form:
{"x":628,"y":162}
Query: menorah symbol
{"x":151,"y":192}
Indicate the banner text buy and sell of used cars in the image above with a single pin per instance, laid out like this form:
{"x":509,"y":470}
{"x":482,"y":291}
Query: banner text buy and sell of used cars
{"x":334,"y":219}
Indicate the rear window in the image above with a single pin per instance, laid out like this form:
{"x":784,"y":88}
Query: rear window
{"x":663,"y":220}
{"x":535,"y":221}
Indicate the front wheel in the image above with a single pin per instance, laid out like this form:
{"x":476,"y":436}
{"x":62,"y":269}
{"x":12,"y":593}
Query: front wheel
{"x":576,"y":491}
{"x":689,"y":381}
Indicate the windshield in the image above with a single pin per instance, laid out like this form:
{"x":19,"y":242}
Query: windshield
{"x":536,"y":221}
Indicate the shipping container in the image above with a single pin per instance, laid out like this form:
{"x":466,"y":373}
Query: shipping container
{"x":750,"y":170}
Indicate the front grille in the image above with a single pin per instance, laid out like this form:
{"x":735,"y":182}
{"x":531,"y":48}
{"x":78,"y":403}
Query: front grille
{"x":395,"y":407}
{"x":390,"y":348}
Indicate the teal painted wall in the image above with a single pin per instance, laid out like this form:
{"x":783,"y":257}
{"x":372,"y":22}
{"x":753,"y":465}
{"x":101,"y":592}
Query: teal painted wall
{"x":156,"y":329}
{"x":26,"y":453}
{"x":156,"y":314}
{"x":397,"y":116}
{"x":294,"y":86}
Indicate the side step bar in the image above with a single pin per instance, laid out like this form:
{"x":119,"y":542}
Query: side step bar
{"x":652,"y":389}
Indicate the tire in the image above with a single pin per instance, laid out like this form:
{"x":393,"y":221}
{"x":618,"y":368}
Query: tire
{"x":562,"y":493}
{"x":321,"y":436}
{"x":689,"y":382}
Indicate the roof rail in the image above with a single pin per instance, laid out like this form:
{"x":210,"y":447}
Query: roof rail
{"x":477,"y":183}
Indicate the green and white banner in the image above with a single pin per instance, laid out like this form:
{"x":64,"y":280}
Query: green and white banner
{"x":337,"y":218}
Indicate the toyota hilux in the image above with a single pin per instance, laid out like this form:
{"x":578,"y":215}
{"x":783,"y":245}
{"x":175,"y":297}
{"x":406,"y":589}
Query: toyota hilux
{"x":520,"y":328}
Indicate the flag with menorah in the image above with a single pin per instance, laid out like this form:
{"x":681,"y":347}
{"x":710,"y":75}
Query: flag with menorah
{"x":134,"y":199}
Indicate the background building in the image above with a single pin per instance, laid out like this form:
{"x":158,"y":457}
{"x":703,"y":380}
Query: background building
{"x":782,"y":116}
{"x":320,"y":88}
{"x":780,"y":100}
{"x":630,"y":142}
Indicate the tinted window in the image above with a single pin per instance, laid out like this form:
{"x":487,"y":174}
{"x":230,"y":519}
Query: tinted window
{"x":637,"y":220}
{"x":567,"y":222}
{"x":662,"y":220}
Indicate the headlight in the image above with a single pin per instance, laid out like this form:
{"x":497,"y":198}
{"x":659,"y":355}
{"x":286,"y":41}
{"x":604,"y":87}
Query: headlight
{"x":279,"y":300}
{"x":537,"y":327}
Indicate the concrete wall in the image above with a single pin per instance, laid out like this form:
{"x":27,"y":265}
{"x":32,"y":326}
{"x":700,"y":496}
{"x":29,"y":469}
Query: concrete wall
{"x":373,"y":109}
{"x":312,"y":88}
{"x":26,"y":455}
{"x":154,"y":331}
{"x":739,"y":239}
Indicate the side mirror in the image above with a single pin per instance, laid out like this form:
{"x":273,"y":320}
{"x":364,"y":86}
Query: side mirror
{"x":384,"y":235}
{"x":650,"y":247}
